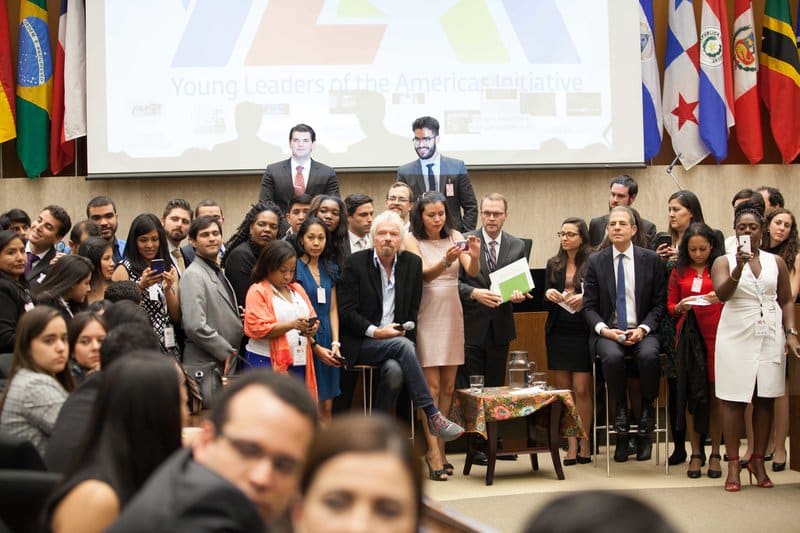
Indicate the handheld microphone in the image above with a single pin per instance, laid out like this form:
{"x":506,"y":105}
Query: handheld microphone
{"x":407,"y":326}
{"x":669,"y":171}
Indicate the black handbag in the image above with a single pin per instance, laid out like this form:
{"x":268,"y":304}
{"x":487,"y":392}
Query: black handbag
{"x":208,"y":379}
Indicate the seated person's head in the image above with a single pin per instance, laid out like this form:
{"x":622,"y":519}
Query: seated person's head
{"x":597,"y":512}
{"x":117,"y":291}
{"x":369,"y":464}
{"x":127,"y":338}
{"x":260,"y":415}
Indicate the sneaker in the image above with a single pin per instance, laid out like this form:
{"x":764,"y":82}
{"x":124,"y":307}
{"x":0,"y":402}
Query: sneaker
{"x":443,"y":428}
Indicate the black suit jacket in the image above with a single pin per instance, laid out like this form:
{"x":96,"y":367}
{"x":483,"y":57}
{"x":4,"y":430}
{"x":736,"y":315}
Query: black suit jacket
{"x":14,"y":296}
{"x":451,"y":171}
{"x":277,"y":184}
{"x":559,"y":284}
{"x":41,"y":267}
{"x":600,"y":289}
{"x":185,"y":496}
{"x":360,"y":296}
{"x":597,"y":230}
{"x":477,"y":317}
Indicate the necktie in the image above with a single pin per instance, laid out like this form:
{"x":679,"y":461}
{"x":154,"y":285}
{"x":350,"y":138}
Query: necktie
{"x":622,"y":309}
{"x":431,"y":178}
{"x":492,"y":261}
{"x":361,"y":244}
{"x":176,"y":253}
{"x":299,"y":184}
{"x":32,"y":257}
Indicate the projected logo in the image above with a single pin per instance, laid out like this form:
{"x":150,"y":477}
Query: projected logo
{"x":288,"y":35}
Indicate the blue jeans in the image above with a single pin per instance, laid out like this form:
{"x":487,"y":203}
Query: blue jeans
{"x":402,"y":350}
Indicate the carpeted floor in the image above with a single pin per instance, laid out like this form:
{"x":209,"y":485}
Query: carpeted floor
{"x":691,"y":505}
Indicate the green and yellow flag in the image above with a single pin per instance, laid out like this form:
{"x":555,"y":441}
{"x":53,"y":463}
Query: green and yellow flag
{"x":34,"y":87}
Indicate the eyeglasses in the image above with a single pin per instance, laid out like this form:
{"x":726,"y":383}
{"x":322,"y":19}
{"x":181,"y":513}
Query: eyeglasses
{"x":252,"y":452}
{"x":493,"y":214}
{"x":567,"y":234}
{"x":399,"y":199}
{"x":420,"y":140}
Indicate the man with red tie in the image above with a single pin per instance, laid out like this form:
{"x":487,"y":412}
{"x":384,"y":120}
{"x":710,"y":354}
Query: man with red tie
{"x":298,"y":174}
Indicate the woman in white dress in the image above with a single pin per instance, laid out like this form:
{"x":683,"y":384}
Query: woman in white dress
{"x":750,"y":361}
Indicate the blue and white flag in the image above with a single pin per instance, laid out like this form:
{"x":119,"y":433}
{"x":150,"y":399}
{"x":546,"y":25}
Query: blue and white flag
{"x":651,"y":84}
{"x":716,"y":78}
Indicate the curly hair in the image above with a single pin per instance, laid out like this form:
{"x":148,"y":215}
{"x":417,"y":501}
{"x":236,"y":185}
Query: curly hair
{"x":698,"y":229}
{"x":787,"y":250}
{"x":242,"y":233}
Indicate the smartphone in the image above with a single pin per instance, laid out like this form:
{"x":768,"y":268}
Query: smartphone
{"x":462,"y":245}
{"x":341,"y":360}
{"x":663,"y":239}
{"x":744,"y":243}
{"x":157,"y":265}
{"x":312,"y":320}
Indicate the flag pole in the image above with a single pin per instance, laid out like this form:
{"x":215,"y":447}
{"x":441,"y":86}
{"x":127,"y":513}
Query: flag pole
{"x":669,"y":171}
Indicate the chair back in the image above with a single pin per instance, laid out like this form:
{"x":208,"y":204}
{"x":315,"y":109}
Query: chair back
{"x":23,"y":494}
{"x":19,"y":454}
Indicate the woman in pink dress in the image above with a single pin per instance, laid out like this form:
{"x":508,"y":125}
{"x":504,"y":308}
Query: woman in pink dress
{"x":440,"y":328}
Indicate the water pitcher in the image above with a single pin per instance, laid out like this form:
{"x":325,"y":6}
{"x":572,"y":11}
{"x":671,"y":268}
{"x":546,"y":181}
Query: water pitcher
{"x":519,"y":370}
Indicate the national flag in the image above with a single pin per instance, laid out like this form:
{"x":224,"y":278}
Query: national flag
{"x":716,"y":78}
{"x":651,"y":84}
{"x":745,"y":83}
{"x":8,"y":128}
{"x":62,"y":152}
{"x":75,"y":71}
{"x":681,"y":81}
{"x":34,"y":87}
{"x":779,"y":77}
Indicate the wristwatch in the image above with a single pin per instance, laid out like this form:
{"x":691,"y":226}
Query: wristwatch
{"x":792,"y":331}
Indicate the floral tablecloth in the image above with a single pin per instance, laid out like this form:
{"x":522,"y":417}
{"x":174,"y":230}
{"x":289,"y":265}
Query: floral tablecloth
{"x":472,"y":410}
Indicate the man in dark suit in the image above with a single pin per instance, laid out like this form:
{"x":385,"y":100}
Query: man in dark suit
{"x":378,"y":293}
{"x":176,"y":219}
{"x":209,"y":312}
{"x":435,"y":172}
{"x":297,"y":175}
{"x":46,"y":231}
{"x":624,"y":298}
{"x":623,"y":192}
{"x":488,"y":322}
{"x":223,"y":482}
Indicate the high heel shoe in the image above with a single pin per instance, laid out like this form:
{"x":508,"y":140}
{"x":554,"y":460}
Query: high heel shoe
{"x":778,"y":467}
{"x":765,"y":483}
{"x":733,"y":486}
{"x":694,"y":474}
{"x":714,"y":474}
{"x":436,"y":475}
{"x":449,"y":469}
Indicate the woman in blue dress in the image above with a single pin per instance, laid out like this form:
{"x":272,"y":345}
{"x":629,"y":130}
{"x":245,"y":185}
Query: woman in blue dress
{"x":318,"y":275}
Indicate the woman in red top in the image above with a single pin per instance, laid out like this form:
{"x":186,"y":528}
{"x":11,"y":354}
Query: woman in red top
{"x":690,"y":287}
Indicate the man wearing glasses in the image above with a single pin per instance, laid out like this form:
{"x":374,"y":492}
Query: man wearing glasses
{"x":297,"y":175}
{"x":243,"y":469}
{"x":399,"y":199}
{"x":489,"y":323}
{"x":435,"y":172}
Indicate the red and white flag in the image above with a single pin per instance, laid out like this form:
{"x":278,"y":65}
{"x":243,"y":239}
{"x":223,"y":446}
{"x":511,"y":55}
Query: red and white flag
{"x":75,"y":71}
{"x":745,"y":83}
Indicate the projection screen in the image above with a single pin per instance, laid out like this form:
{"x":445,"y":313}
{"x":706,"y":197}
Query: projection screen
{"x":213,"y":86}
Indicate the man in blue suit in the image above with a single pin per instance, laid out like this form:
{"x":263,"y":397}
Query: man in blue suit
{"x":435,"y":172}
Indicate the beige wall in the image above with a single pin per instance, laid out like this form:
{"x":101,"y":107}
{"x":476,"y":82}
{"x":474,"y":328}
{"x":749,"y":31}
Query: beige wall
{"x":538,"y":199}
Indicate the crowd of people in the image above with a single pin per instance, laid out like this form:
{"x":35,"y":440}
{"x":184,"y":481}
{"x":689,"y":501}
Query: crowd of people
{"x":107,"y":336}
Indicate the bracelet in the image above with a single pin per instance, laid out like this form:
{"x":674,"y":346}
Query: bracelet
{"x":735,"y":279}
{"x":445,"y":264}
{"x":336,"y":343}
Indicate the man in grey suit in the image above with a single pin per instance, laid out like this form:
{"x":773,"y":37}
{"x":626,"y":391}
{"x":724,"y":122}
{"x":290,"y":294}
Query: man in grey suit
{"x":209,"y":311}
{"x":623,"y":192}
{"x":435,"y":172}
{"x":297,"y":175}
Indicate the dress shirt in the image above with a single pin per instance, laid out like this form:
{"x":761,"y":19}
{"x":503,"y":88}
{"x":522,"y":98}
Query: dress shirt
{"x":38,"y":256}
{"x":436,"y":159}
{"x":306,"y":168}
{"x":387,"y":284}
{"x":367,"y":241}
{"x":488,"y":239}
{"x":630,"y":291}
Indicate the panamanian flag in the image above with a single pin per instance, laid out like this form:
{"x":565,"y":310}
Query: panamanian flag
{"x":716,"y":78}
{"x":681,"y":82}
{"x":651,"y":84}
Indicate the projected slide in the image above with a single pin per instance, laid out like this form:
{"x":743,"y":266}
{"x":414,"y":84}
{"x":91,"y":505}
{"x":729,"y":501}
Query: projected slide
{"x":215,"y":85}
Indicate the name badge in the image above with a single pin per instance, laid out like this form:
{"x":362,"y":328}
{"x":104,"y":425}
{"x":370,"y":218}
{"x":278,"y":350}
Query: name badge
{"x":169,"y":337}
{"x":449,"y":190}
{"x":761,"y":328}
{"x":299,"y":355}
{"x":697,"y":284}
{"x":321,"y":298}
{"x":152,"y":292}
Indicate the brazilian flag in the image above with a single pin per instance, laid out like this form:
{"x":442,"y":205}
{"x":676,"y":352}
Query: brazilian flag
{"x":34,"y":87}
